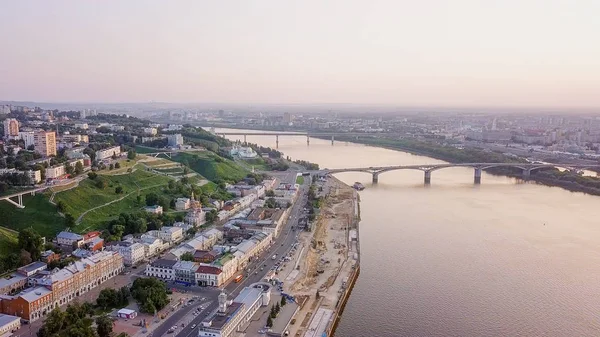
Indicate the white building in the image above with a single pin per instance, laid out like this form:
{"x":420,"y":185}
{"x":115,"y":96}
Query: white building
{"x":162,"y":269}
{"x":243,"y":152}
{"x":181,"y":204}
{"x":156,"y":209}
{"x":133,"y":253}
{"x":170,"y":234}
{"x":69,"y":238}
{"x":28,"y":138}
{"x":195,"y":217}
{"x":83,"y":126}
{"x":9,"y":324}
{"x":152,"y":245}
{"x":175,"y":140}
{"x":150,"y":131}
{"x":55,"y":171}
{"x":107,"y":153}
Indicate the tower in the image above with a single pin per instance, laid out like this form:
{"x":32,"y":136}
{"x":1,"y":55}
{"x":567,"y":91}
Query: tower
{"x":222,"y":302}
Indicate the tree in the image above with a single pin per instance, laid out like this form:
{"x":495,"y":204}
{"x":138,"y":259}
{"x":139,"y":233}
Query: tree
{"x":188,"y":256}
{"x":269,"y":321}
{"x":271,"y":203}
{"x":92,"y":175}
{"x":151,"y":199}
{"x":31,"y":242}
{"x":25,"y":258}
{"x":69,"y":169}
{"x":277,"y":308}
{"x":273,"y":313}
{"x":101,"y":184}
{"x":104,"y":326}
{"x":111,"y":166}
{"x":150,"y":293}
{"x":60,"y":206}
{"x":131,"y":154}
{"x":211,"y":216}
{"x":69,"y":220}
{"x":119,"y":190}
{"x":192,"y":231}
{"x":270,"y":193}
{"x":283,"y":302}
{"x":117,"y":165}
{"x":78,"y":168}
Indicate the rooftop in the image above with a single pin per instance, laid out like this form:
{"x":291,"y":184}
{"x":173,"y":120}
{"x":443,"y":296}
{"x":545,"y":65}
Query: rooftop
{"x":7,"y":319}
{"x":248,"y":296}
{"x":5,"y":281}
{"x":33,"y":266}
{"x":69,"y":236}
{"x":163,"y":263}
{"x":209,"y":270}
{"x":220,"y":319}
{"x":33,"y":294}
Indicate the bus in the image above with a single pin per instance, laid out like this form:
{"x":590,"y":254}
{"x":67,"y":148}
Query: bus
{"x":238,"y":278}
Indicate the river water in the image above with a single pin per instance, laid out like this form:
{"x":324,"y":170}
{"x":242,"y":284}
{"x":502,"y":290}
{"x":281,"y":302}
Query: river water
{"x":503,"y":258}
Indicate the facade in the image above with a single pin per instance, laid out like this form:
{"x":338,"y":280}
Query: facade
{"x":154,"y":209}
{"x":58,"y":287}
{"x":11,"y":128}
{"x":108,"y":153}
{"x":45,"y":142}
{"x":150,"y":131}
{"x":209,"y":276}
{"x":12,"y":283}
{"x":49,"y":256}
{"x":35,"y":176}
{"x":170,"y":234}
{"x":152,"y":245}
{"x":162,"y":269}
{"x":55,"y":172}
{"x":69,"y":238}
{"x":185,"y":272}
{"x":181,"y":204}
{"x":175,"y":140}
{"x":233,"y":316}
{"x":195,"y":217}
{"x":132,"y":253}
{"x":32,"y":268}
{"x":9,"y":324}
{"x":27,"y":137}
{"x":76,"y":138}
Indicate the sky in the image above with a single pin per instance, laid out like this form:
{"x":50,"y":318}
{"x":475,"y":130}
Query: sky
{"x":530,"y":53}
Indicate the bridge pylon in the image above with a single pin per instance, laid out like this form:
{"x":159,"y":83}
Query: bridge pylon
{"x":477,"y":178}
{"x":375,"y":177}
{"x":427,"y":178}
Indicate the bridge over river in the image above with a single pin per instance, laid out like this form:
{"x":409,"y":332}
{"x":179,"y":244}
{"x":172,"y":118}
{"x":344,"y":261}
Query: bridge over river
{"x":526,"y":168}
{"x":301,"y":134}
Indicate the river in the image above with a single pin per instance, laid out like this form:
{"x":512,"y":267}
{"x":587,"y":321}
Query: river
{"x":503,"y":258}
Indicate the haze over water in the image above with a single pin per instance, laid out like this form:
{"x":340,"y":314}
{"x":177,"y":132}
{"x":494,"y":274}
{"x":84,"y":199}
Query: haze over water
{"x":503,"y":258}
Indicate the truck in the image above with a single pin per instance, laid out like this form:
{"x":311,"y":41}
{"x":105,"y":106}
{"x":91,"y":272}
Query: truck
{"x":274,"y":257}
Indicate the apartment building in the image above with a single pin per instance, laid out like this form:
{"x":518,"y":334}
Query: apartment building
{"x":69,"y":238}
{"x":55,"y":171}
{"x":162,"y":269}
{"x":107,"y":153}
{"x":11,"y":128}
{"x":28,"y":138}
{"x":45,"y":142}
{"x":132,"y":252}
{"x":170,"y":234}
{"x":185,"y":272}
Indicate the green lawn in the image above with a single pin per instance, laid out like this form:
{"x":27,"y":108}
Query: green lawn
{"x":212,"y":167}
{"x":299,"y":180}
{"x":88,"y":196}
{"x":38,"y":213}
{"x":8,"y":241}
{"x":142,"y":149}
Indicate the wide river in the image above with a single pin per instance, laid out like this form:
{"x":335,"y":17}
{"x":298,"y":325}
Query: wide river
{"x":503,"y":258}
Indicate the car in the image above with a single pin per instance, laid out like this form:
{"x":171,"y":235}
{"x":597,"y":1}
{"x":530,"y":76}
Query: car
{"x":194,"y":326}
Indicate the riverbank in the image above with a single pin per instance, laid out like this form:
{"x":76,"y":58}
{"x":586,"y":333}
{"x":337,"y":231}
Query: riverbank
{"x":329,"y":262}
{"x":570,"y":181}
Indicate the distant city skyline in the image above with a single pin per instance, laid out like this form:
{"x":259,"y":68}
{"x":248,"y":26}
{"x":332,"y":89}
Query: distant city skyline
{"x":436,"y":53}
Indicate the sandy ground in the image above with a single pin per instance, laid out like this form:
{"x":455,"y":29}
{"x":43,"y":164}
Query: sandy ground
{"x":323,"y":256}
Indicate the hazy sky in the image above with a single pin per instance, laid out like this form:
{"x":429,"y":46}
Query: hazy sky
{"x":425,"y":52}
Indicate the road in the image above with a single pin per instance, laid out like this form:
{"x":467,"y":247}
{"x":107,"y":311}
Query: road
{"x":281,"y":246}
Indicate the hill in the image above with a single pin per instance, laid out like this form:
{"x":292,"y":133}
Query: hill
{"x":212,"y":166}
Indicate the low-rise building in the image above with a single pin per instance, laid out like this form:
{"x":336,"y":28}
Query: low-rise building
{"x":12,"y":283}
{"x":9,"y":324}
{"x":170,"y":234}
{"x":195,"y":217}
{"x":156,"y":209}
{"x":181,"y":204}
{"x":209,"y":276}
{"x":150,"y":131}
{"x":49,"y":256}
{"x":132,"y":252}
{"x":32,"y":268}
{"x":69,"y":239}
{"x":185,"y":272}
{"x":162,"y":269}
{"x":108,"y":153}
{"x":175,"y":140}
{"x":55,"y":172}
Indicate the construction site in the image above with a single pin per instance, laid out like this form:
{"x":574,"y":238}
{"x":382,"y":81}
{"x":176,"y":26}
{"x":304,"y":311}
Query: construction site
{"x":325,"y":263}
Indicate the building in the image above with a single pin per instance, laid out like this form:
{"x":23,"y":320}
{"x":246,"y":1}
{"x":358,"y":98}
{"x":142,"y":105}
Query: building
{"x":9,"y":324}
{"x":156,"y":209}
{"x":45,"y":142}
{"x":35,"y":176}
{"x":12,"y":283}
{"x":181,"y":204}
{"x":127,"y":313}
{"x":185,"y":272}
{"x":32,"y":268}
{"x":108,"y":153}
{"x":76,"y":138}
{"x":162,"y":269}
{"x":55,"y":172}
{"x":28,"y":138}
{"x":175,"y":140}
{"x":152,"y":245}
{"x":11,"y":128}
{"x":195,"y":217}
{"x":232,"y":317}
{"x":83,"y":126}
{"x":49,"y":256}
{"x":170,"y":234}
{"x":69,"y":239}
{"x":150,"y":131}
{"x":132,"y":252}
{"x":209,"y":276}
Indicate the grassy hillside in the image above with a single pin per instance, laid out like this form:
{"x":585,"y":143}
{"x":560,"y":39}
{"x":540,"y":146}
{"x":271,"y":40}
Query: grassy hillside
{"x":38,"y":213}
{"x":211,"y":166}
{"x":8,"y":241}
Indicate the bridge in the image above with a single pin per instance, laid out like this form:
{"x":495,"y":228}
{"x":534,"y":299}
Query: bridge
{"x":19,"y":196}
{"x":526,"y":168}
{"x":169,"y":153}
{"x":299,"y":134}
